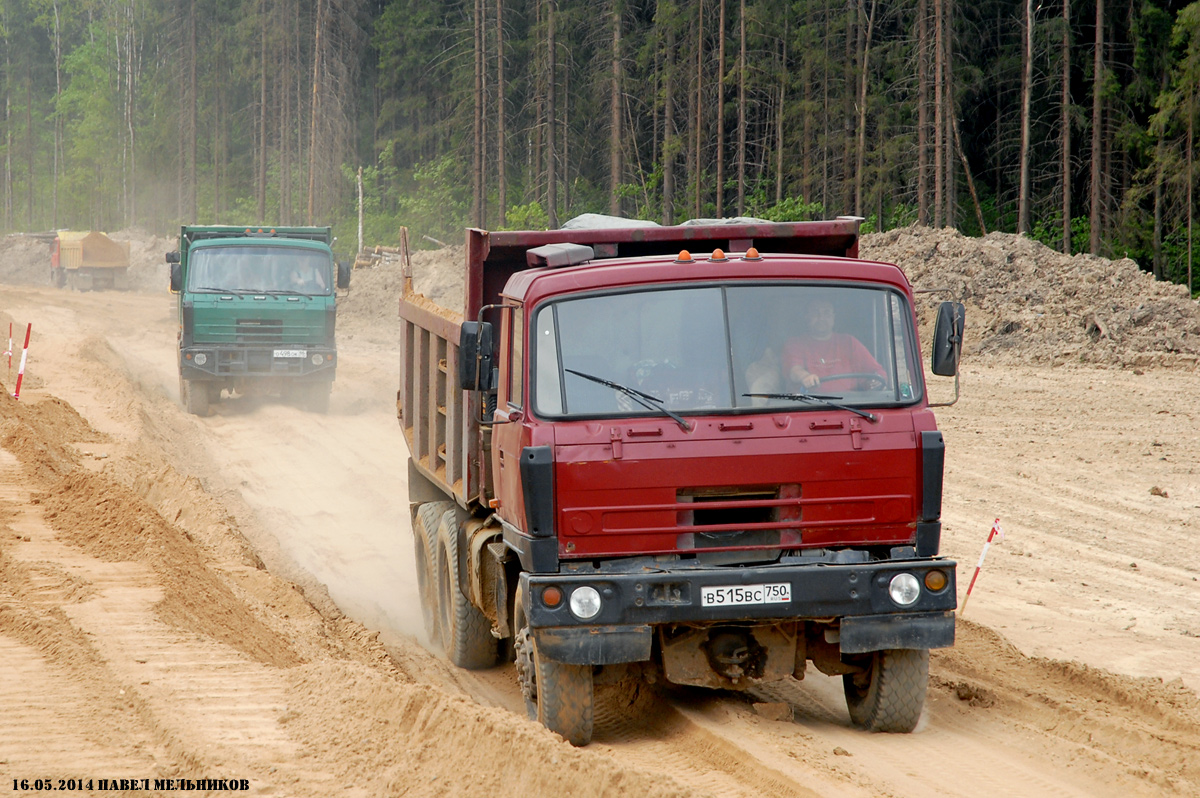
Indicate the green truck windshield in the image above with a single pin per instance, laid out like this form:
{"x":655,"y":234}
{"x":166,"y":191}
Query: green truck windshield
{"x":706,"y":348}
{"x":260,"y":269}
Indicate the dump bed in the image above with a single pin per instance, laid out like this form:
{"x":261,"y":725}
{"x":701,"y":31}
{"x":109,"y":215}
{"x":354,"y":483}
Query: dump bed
{"x":441,"y":422}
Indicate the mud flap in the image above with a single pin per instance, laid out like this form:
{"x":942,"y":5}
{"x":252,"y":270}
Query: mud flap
{"x":863,"y":633}
{"x":594,"y":645}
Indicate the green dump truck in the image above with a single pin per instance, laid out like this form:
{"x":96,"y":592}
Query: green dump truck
{"x":257,"y":312}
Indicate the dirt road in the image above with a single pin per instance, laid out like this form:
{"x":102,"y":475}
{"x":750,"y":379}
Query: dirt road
{"x":232,"y":598}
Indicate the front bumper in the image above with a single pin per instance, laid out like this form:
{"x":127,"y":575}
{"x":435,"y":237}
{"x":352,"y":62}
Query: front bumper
{"x":278,"y":360}
{"x":854,"y":596}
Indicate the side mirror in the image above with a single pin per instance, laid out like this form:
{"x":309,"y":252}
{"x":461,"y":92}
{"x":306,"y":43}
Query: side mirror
{"x":475,"y":356}
{"x":947,"y":339}
{"x":343,"y":274}
{"x":176,"y":275}
{"x":173,"y":257}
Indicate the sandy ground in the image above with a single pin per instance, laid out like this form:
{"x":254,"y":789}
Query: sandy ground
{"x":233,"y":597}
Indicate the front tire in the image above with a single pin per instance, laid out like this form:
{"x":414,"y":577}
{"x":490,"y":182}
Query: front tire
{"x":889,"y":694}
{"x":466,"y":632}
{"x":194,"y":397}
{"x":559,"y":696}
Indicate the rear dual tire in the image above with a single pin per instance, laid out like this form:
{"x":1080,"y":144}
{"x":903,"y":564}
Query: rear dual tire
{"x":466,"y":632}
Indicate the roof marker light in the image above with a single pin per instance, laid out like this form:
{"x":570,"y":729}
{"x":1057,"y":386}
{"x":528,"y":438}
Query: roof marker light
{"x":718,"y":256}
{"x":684,"y":257}
{"x":752,"y":254}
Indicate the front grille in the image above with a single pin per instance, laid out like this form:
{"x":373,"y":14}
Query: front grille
{"x":259,"y":331}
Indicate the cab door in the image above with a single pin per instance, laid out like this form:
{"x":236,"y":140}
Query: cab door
{"x":510,"y":434}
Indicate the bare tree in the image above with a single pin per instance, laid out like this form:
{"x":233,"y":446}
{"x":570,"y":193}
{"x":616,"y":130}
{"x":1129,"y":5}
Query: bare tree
{"x":551,"y":119}
{"x":741,"y":206}
{"x":1066,"y":128}
{"x":922,"y":112}
{"x":501,"y":156}
{"x":477,"y":140}
{"x":721,"y":109}
{"x":1026,"y":101}
{"x":614,"y":132}
{"x":862,"y":110}
{"x":1097,"y":125}
{"x":939,"y":72}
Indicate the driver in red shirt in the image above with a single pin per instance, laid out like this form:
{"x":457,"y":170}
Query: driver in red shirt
{"x":810,"y":360}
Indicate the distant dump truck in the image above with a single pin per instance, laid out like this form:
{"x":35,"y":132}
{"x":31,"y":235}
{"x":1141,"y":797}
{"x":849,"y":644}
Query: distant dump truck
{"x":257,"y":311}
{"x":89,"y":262}
{"x":700,"y":454}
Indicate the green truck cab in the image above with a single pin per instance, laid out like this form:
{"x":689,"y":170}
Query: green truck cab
{"x":257,"y":313}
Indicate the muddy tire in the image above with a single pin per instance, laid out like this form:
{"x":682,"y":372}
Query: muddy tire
{"x":465,"y":631}
{"x":316,"y":397}
{"x":425,"y":546}
{"x":889,"y":694}
{"x":194,"y":397}
{"x":559,"y":696}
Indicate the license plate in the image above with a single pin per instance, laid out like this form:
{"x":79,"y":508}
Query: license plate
{"x":735,"y":595}
{"x":290,"y":353}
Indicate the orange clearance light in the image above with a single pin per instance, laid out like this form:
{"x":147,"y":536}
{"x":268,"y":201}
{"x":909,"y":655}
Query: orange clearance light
{"x":935,"y":580}
{"x":188,"y":356}
{"x":752,"y":254}
{"x":684,"y":256}
{"x":552,"y":596}
{"x":718,"y":256}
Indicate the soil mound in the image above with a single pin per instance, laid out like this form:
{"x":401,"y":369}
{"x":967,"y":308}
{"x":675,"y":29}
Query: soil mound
{"x":1031,"y":304}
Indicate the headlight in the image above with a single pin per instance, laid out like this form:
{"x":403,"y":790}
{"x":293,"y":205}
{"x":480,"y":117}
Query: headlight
{"x":200,"y":358}
{"x":585,"y":603}
{"x":318,"y":359}
{"x":904,"y":589}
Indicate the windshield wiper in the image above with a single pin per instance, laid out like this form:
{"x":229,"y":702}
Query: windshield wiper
{"x":644,"y":399}
{"x":816,"y":399}
{"x":215,"y":289}
{"x":283,"y":292}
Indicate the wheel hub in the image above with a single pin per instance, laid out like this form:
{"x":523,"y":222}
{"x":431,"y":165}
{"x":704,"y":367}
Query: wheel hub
{"x":525,"y":670}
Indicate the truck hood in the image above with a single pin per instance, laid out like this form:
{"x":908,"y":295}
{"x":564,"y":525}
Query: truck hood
{"x":261,"y":319}
{"x":785,"y":481}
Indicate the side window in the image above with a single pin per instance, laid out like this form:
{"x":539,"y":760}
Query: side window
{"x":517,"y":364}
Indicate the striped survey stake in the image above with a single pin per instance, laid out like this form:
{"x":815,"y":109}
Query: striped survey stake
{"x":24,"y":355}
{"x":996,"y":531}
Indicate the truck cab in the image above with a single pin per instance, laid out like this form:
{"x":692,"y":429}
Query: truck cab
{"x":715,"y":465}
{"x":257,"y":313}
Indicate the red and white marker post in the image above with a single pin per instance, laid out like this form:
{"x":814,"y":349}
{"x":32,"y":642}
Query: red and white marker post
{"x":24,"y":355}
{"x":996,"y":530}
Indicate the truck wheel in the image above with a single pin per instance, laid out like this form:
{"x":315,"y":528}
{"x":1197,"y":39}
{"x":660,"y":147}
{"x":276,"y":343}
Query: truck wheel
{"x":194,"y":397}
{"x":889,"y":694}
{"x":466,"y":632}
{"x":557,"y":695}
{"x":425,"y":531}
{"x":315,"y":396}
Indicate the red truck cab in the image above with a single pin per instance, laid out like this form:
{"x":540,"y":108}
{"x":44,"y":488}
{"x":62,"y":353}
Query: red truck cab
{"x":716,"y":465}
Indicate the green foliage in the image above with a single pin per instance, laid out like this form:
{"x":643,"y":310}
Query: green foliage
{"x":531,"y":216}
{"x":1048,"y":230}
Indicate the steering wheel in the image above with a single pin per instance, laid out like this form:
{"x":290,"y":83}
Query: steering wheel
{"x":856,"y":375}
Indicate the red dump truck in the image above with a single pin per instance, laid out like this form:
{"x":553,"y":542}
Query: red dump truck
{"x":700,"y":453}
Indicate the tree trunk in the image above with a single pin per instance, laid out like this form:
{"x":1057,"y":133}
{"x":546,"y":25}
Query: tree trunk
{"x":57,"y":120}
{"x":699,"y":118}
{"x":1066,"y":130}
{"x":922,"y":112}
{"x":315,"y":115}
{"x":501,"y":156}
{"x":721,"y":110}
{"x":950,"y":114}
{"x":262,"y":113}
{"x":938,"y":111}
{"x":1026,"y":101}
{"x":1097,"y":124}
{"x":551,"y":121}
{"x":477,"y":137}
{"x":849,"y":95}
{"x":741,"y":206}
{"x":783,"y":71}
{"x":862,"y":111}
{"x":668,"y":146}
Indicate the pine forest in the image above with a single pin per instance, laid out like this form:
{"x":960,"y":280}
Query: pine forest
{"x":1070,"y":121}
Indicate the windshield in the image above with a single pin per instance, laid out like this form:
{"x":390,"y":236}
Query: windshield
{"x":704,"y":349}
{"x":259,"y":270}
